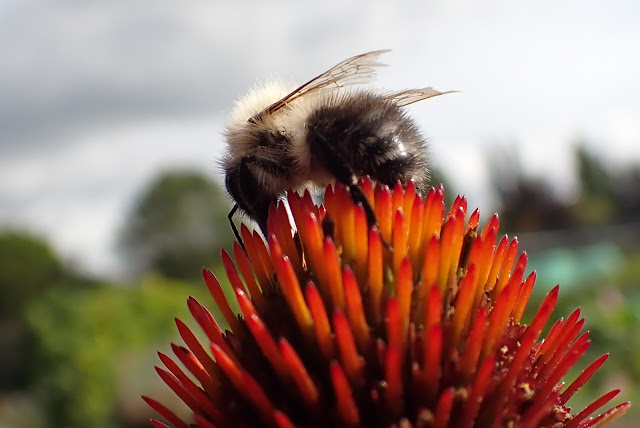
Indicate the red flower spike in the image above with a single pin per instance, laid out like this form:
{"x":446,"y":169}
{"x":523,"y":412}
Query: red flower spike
{"x":281,"y":420}
{"x":393,"y":378}
{"x":165,"y":413}
{"x":344,"y":398}
{"x":197,"y":349}
{"x":592,"y":408}
{"x":367,"y":189}
{"x":221,"y":300}
{"x":443,"y":409}
{"x":159,"y":424}
{"x":259,"y":266}
{"x":404,"y":292}
{"x":191,"y":363}
{"x":247,"y":273}
{"x":476,"y":394}
{"x":321,"y":324}
{"x":355,"y":311}
{"x":351,"y":361}
{"x":582,"y":379}
{"x":300,"y":376}
{"x":206,"y":321}
{"x":427,"y":334}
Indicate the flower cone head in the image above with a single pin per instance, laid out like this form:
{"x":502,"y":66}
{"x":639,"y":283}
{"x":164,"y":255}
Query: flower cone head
{"x":413,"y":323}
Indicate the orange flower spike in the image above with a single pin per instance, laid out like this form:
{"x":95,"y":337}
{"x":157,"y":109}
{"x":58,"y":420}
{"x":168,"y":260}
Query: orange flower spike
{"x":312,"y":241}
{"x":265,"y":258}
{"x":523,"y":296}
{"x":334,"y":275}
{"x":434,"y":215}
{"x":232,"y":371}
{"x":498,"y":319}
{"x":462,"y":308}
{"x":262,"y":273}
{"x":383,"y":212}
{"x":415,"y":231}
{"x":447,"y":248}
{"x":395,"y":337}
{"x":247,"y":273}
{"x":507,"y":264}
{"x":433,"y":313}
{"x":564,"y":341}
{"x":410,"y":195}
{"x":291,"y":290}
{"x":432,"y":371}
{"x":530,"y":335}
{"x":553,"y":333}
{"x":397,"y":198}
{"x":347,"y":226}
{"x":493,"y":223}
{"x":566,"y":361}
{"x":361,"y":243}
{"x":367,"y":188}
{"x":165,"y":413}
{"x":285,"y":235}
{"x":554,"y":342}
{"x":478,"y":389}
{"x":473,"y":346}
{"x":321,"y":324}
{"x":375,"y":275}
{"x":221,"y":301}
{"x":431,"y":263}
{"x":442,"y":412}
{"x":400,"y":237}
{"x":474,"y":219}
{"x":342,"y":200}
{"x":347,"y":408}
{"x":498,"y":258}
{"x":355,"y":311}
{"x":352,"y":362}
{"x":299,"y":375}
{"x":459,"y":203}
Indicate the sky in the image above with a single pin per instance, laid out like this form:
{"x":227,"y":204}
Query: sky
{"x":97,"y":98}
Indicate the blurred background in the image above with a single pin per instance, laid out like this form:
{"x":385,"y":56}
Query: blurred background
{"x":111,"y":121}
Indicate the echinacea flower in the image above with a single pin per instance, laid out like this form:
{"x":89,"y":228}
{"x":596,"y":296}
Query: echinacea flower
{"x":416,"y":323}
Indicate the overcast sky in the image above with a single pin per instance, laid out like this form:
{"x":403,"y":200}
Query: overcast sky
{"x":98,"y":97}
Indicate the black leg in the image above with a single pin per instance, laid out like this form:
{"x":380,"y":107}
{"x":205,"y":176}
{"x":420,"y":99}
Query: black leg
{"x":233,"y":226}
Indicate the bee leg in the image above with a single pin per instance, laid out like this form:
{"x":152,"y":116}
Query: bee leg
{"x":342,"y":171}
{"x":234,"y":228}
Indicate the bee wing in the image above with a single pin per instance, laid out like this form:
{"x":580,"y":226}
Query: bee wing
{"x":410,"y":96}
{"x":353,"y":71}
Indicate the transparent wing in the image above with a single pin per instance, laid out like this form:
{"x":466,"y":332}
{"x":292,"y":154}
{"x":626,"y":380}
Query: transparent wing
{"x":353,"y":71}
{"x":410,"y":96}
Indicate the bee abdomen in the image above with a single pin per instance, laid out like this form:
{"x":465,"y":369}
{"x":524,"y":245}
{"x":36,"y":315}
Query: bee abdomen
{"x":372,"y":135}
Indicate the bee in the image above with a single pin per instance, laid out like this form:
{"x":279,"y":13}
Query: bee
{"x":323,"y":131}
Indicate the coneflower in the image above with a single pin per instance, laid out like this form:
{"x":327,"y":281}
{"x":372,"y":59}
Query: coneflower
{"x":414,"y":324}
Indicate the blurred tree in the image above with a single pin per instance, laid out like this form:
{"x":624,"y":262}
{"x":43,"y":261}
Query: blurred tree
{"x":28,"y":266}
{"x":178,"y":225}
{"x":528,"y":204}
{"x":596,"y":205}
